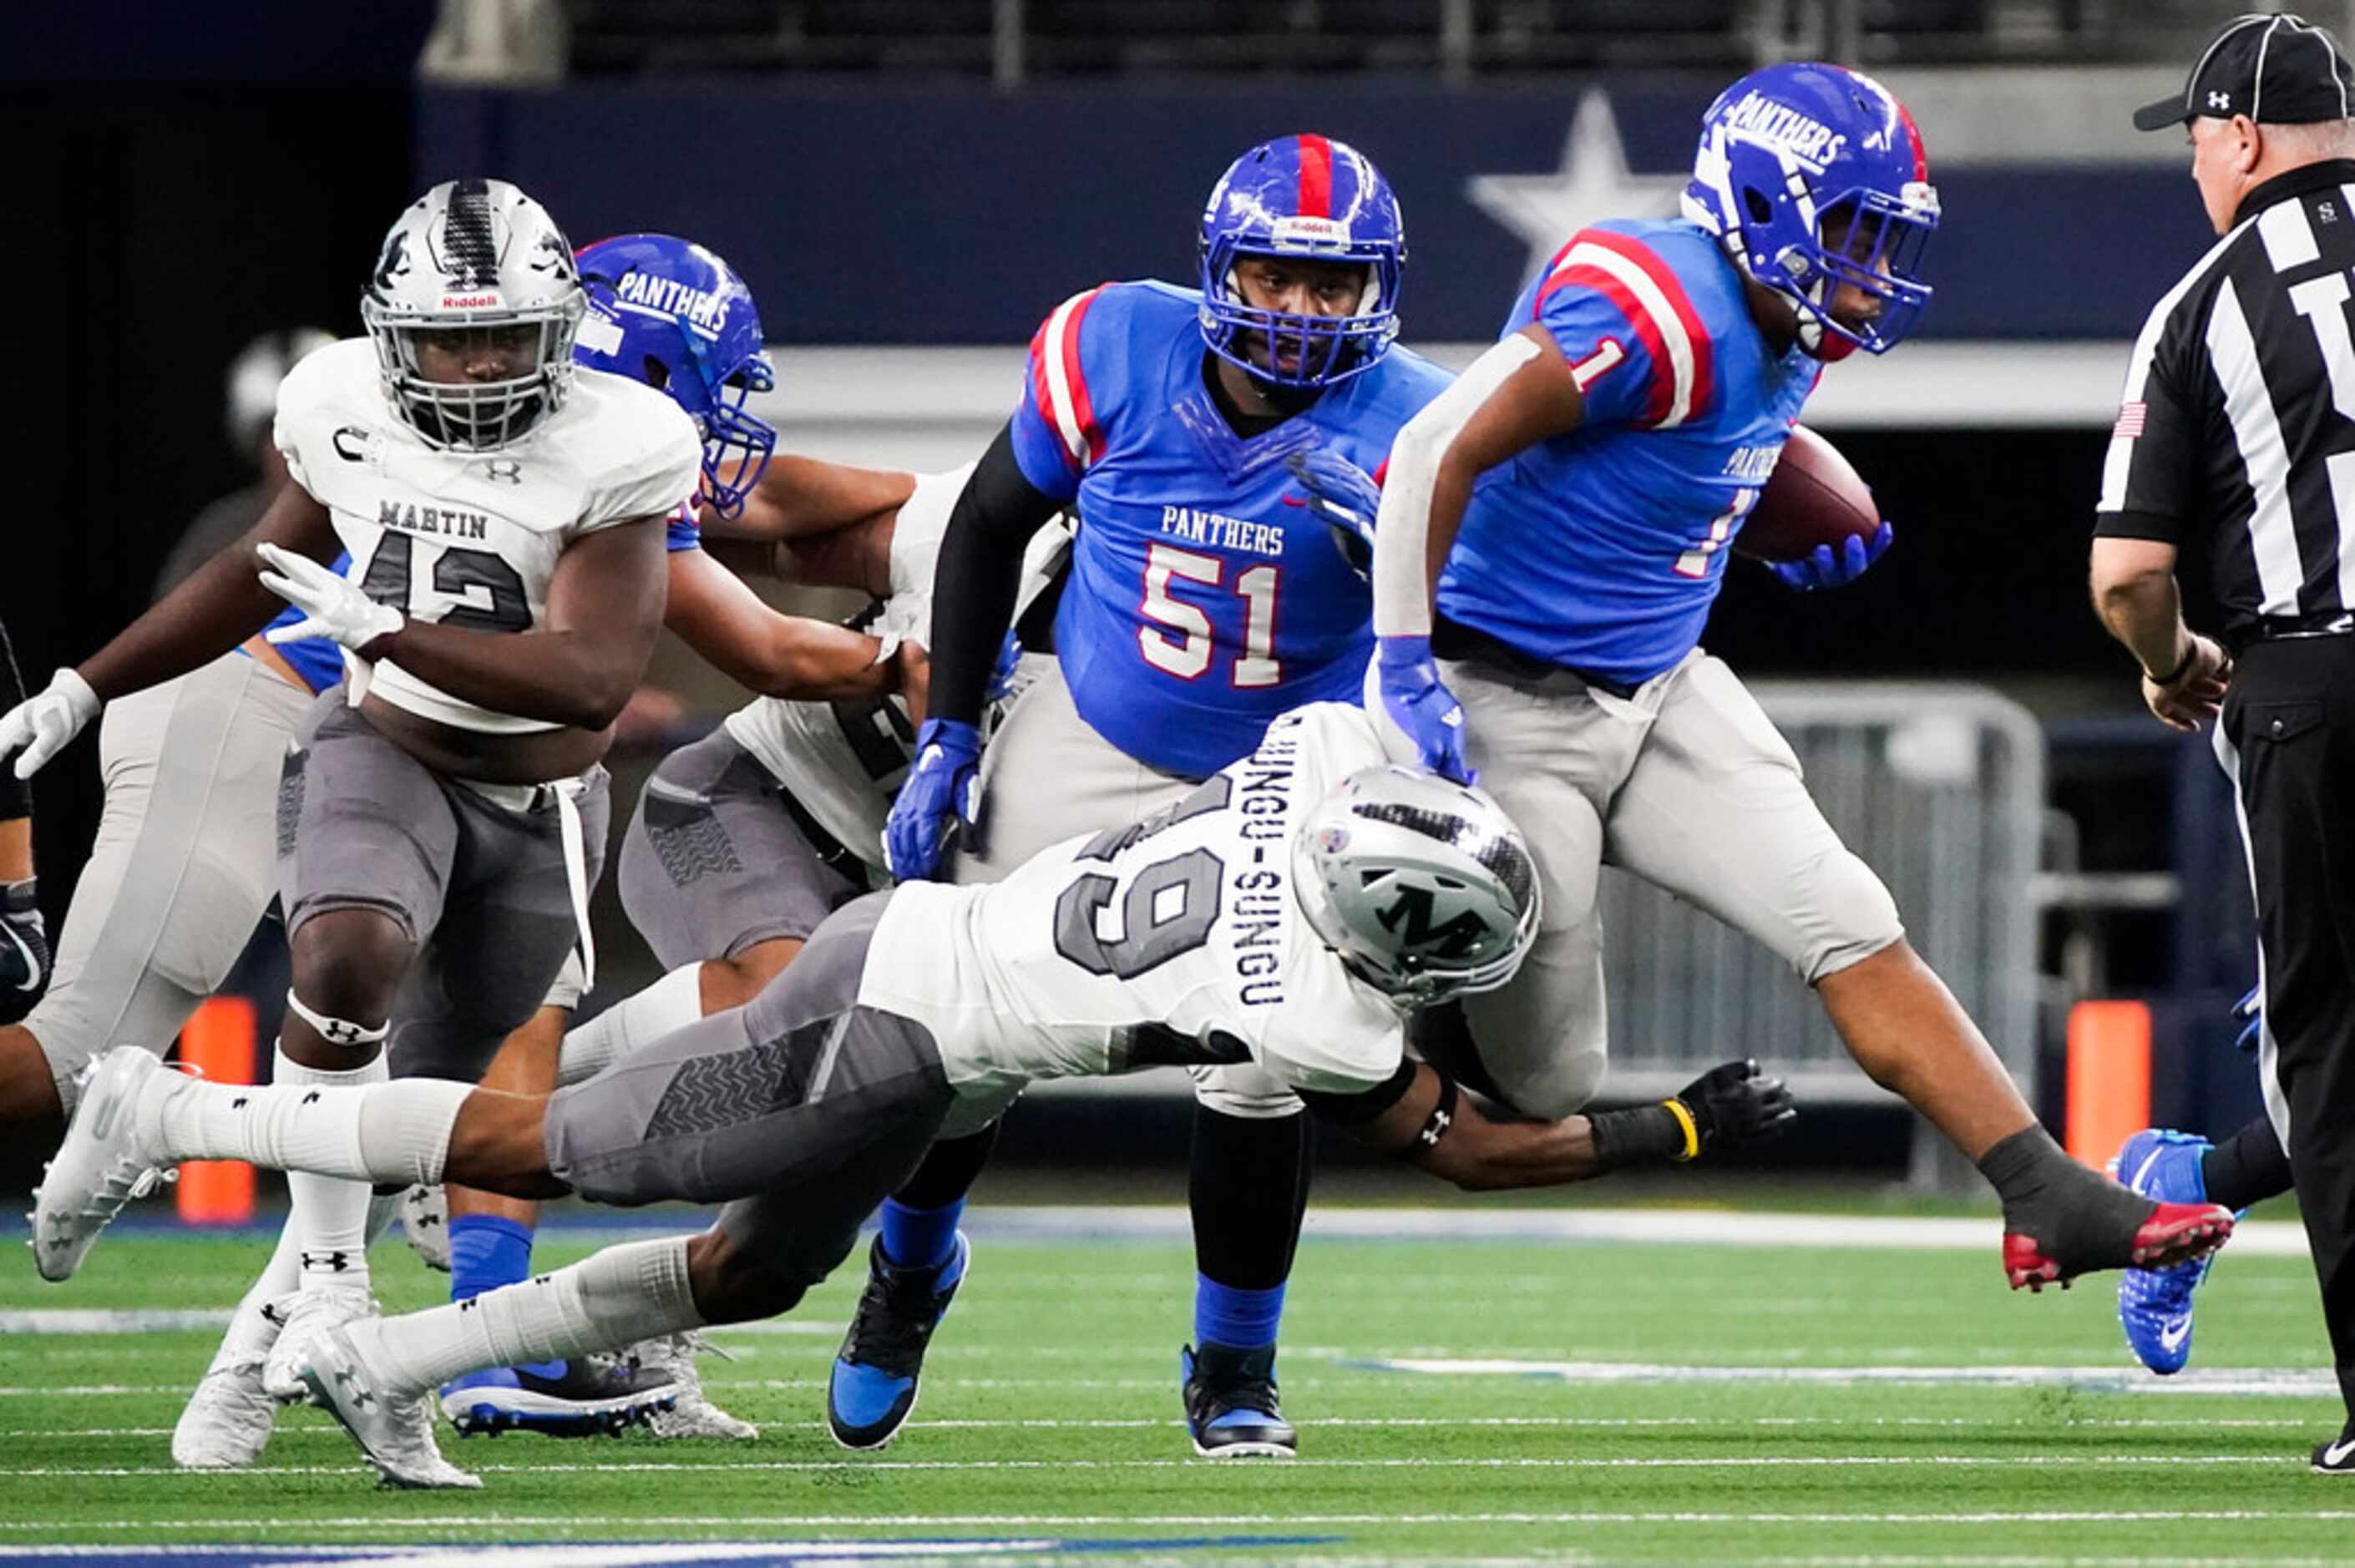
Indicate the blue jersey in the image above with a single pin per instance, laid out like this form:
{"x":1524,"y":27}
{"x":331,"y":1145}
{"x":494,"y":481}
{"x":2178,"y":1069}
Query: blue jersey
{"x":1603,"y":548}
{"x":318,"y":660}
{"x":1201,"y":602}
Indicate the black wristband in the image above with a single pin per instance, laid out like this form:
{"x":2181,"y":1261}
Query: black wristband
{"x":2190,"y":653}
{"x":1648,"y":1135}
{"x":1435,"y":1125}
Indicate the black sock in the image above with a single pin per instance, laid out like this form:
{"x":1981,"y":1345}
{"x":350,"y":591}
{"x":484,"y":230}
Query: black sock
{"x":1248,"y":1188}
{"x":2246,"y":1168}
{"x":2079,"y":1218}
{"x":949,"y":1170}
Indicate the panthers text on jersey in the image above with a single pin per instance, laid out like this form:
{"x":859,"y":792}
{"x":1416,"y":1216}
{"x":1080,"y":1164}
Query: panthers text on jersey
{"x":469,"y":538}
{"x":1201,"y":604}
{"x":1186,"y":920}
{"x":1603,"y":549}
{"x":842,"y":762}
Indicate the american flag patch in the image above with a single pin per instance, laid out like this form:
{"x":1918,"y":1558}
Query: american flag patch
{"x":2129,"y":425}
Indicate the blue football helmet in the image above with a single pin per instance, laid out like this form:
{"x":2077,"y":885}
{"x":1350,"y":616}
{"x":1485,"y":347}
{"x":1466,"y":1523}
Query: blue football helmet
{"x":668,"y":313}
{"x":1310,"y":199}
{"x":1815,"y":178}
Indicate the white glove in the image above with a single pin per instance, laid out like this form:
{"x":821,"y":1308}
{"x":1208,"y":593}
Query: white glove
{"x":43,"y":724}
{"x":332,"y":608}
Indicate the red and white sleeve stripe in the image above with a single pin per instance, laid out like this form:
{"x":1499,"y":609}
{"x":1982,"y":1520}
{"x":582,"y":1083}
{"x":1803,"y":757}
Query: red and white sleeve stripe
{"x":1059,"y":388}
{"x":1648,"y":294}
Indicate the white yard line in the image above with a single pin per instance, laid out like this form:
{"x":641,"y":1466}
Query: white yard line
{"x":2108,"y":1378}
{"x":446,"y":1522}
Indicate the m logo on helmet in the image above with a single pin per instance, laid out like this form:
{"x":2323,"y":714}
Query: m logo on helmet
{"x":1412,"y":910}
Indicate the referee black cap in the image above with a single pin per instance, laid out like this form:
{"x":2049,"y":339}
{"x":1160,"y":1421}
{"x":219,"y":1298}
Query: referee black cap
{"x":2276,"y":70}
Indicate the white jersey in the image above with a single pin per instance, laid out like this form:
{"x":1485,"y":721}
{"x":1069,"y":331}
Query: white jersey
{"x":844,"y":761}
{"x":472,"y":538}
{"x":1186,"y":920}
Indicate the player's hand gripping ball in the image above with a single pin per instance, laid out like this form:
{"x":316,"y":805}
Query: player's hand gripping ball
{"x":44,"y":723}
{"x":1736,"y":1104}
{"x":1823,"y":568}
{"x":1816,"y":523}
{"x":1345,"y":498}
{"x":943,"y":790}
{"x":1420,"y":704}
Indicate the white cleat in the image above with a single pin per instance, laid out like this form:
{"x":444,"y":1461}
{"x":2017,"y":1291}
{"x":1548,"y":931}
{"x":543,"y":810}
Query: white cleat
{"x":104,"y":1162}
{"x":228,"y":1419}
{"x":304,"y":1317}
{"x":425,"y":1221}
{"x":691,"y":1414}
{"x":394,"y":1430}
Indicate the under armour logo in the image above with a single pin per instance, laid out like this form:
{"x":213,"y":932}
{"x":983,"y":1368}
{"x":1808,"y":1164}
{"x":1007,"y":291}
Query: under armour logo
{"x":2219,"y":100}
{"x":336,"y":1261}
{"x":341,"y":1030}
{"x":238,"y":1104}
{"x":1435,"y":1128}
{"x":503,"y":471}
{"x":311,"y":1098}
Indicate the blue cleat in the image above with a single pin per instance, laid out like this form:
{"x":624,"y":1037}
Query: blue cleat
{"x":589,"y":1396}
{"x":2154,"y":1304}
{"x":1230,"y":1405}
{"x":872,"y":1389}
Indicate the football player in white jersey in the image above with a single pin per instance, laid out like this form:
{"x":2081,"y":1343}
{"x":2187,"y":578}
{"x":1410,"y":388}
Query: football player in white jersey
{"x":1290,"y":912}
{"x":440,"y":823}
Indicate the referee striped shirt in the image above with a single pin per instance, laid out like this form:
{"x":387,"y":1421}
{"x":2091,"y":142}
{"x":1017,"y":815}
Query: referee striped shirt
{"x":2238,"y":414}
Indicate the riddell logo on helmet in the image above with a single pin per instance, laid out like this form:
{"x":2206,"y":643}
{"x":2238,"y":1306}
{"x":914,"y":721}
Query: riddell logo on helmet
{"x":471,"y":302}
{"x":1309,"y":231}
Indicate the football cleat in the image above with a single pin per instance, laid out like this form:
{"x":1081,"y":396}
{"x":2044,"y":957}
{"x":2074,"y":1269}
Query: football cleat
{"x":671,"y":1357}
{"x":104,"y":1163}
{"x":588,"y":1396}
{"x":393,"y":1429}
{"x":2337,"y":1458}
{"x":2154,"y":1304}
{"x":873,"y":1385}
{"x":302,"y":1317}
{"x":1231,"y":1411}
{"x":226,"y":1419}
{"x":2173,"y":1233}
{"x":425,"y":1221}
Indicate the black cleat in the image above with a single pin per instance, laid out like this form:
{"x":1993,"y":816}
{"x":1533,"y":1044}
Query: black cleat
{"x":1231,"y":1411}
{"x":2337,"y":1458}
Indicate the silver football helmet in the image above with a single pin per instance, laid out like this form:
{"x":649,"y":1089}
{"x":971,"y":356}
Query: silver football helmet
{"x":473,"y":307}
{"x":1423,"y":886}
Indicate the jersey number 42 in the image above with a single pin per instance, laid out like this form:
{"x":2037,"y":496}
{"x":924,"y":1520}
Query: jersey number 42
{"x":489,"y":594}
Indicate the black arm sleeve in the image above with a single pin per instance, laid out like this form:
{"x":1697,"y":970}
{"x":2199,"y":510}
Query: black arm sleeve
{"x":979,"y":574}
{"x":1362,"y":1107}
{"x":15,"y":794}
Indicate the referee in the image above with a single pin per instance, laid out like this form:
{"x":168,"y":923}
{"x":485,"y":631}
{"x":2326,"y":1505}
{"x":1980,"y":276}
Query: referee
{"x":2238,"y":428}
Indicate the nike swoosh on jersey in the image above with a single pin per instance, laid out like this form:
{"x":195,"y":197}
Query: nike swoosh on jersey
{"x":32,"y":965}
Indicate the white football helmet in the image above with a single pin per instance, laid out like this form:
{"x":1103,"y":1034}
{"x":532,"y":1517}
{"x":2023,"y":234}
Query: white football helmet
{"x":1424,"y":887}
{"x":474,"y":262}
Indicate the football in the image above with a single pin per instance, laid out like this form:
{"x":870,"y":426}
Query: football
{"x":1814,"y":497}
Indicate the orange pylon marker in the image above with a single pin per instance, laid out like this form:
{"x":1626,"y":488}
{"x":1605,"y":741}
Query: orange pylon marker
{"x":2109,"y":1077}
{"x":219,"y":1042}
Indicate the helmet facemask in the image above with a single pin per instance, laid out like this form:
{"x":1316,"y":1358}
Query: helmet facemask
{"x":1326,"y":349}
{"x":467,"y":415}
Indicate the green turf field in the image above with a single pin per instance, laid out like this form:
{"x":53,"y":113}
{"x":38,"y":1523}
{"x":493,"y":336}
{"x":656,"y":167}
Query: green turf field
{"x":1048,"y":1416}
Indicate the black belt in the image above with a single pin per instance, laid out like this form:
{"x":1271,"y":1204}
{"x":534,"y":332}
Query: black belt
{"x":1453,"y":640}
{"x":2277,"y":628}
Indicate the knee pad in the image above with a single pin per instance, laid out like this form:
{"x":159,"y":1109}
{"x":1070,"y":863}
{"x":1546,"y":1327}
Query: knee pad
{"x":340,"y":1032}
{"x":1244,"y":1089}
{"x":1855,"y":917}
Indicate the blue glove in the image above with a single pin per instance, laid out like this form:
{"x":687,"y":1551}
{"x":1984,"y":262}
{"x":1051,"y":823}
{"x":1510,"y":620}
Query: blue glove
{"x":1347,"y":500}
{"x":1819,"y":569}
{"x":1420,"y":705}
{"x":24,"y":951}
{"x":2250,"y":1011}
{"x":1001,"y":673}
{"x":942,"y":789}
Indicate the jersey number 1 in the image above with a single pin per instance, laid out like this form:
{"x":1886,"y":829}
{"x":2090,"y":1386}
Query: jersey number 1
{"x":1256,"y":666}
{"x":491,"y":594}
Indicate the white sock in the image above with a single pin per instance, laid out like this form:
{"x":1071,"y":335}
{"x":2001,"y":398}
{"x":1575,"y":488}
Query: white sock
{"x":328,"y":1214}
{"x":251,"y":1333}
{"x":613,"y":1298}
{"x":397,"y":1132}
{"x":672,"y":1003}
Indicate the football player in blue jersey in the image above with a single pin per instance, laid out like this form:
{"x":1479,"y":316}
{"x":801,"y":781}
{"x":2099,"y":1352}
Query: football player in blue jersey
{"x":1204,"y":599}
{"x":1577,"y":488}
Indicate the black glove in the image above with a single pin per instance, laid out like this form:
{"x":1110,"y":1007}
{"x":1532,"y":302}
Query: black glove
{"x":1734,"y":1105}
{"x":24,"y":951}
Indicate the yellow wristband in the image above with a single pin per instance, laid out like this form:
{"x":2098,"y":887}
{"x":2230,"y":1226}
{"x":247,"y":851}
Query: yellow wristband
{"x":1677,"y":1109}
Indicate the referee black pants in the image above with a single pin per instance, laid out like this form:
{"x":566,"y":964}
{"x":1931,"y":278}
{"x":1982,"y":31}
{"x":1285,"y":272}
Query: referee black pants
{"x":2290,"y":723}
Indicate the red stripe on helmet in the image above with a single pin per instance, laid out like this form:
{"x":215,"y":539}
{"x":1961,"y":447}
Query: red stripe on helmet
{"x":1316,"y":177}
{"x":1913,"y":135}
